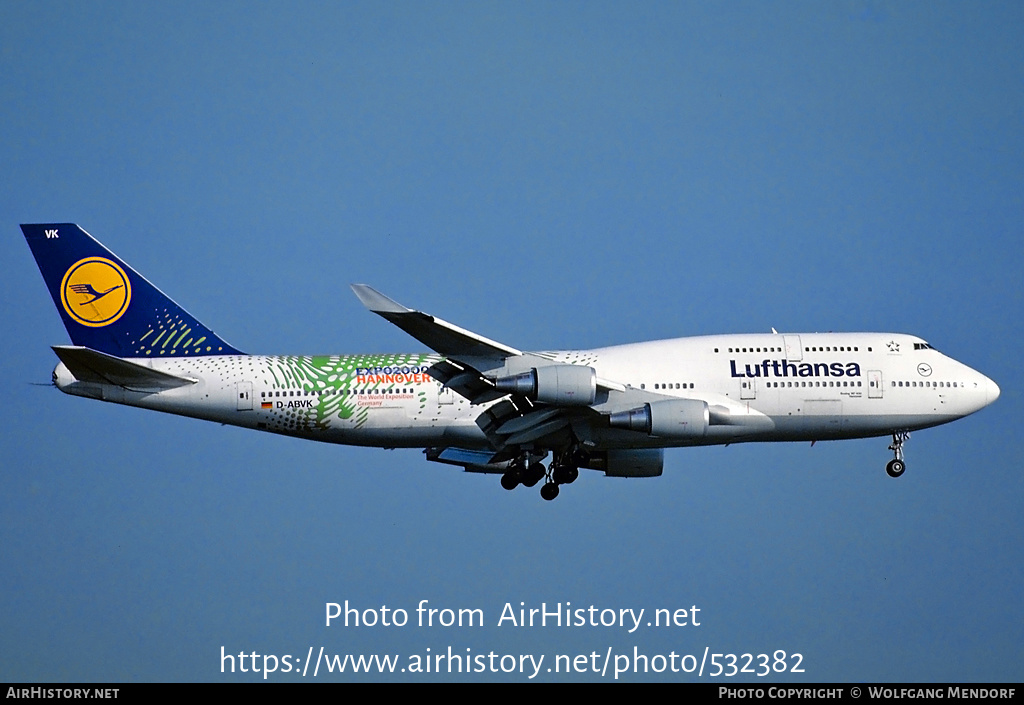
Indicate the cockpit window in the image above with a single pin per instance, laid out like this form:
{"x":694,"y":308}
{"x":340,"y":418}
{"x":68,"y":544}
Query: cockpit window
{"x":923,"y":346}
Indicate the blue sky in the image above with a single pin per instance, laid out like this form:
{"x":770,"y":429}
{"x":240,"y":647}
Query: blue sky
{"x":549,"y":175}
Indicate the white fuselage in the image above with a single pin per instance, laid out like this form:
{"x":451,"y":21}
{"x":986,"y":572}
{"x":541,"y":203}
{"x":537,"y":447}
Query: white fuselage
{"x":772,"y":388}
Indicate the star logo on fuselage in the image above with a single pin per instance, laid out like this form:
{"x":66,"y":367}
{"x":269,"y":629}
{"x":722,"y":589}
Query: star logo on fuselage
{"x":893,"y":346}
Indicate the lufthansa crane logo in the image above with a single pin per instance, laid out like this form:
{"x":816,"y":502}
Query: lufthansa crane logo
{"x":95,"y":292}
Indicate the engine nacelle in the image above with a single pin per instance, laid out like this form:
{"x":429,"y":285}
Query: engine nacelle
{"x":671,"y":418}
{"x":645,"y":462}
{"x":561,"y":385}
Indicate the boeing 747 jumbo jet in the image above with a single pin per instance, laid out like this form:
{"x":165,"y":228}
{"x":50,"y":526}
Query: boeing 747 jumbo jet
{"x":486,"y":406}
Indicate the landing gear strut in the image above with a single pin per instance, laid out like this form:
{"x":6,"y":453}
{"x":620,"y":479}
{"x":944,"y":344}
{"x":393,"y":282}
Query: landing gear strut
{"x":896,"y":466}
{"x":563,"y":471}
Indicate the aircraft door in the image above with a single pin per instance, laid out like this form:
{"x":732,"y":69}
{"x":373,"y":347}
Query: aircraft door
{"x":243,"y":393}
{"x":748,"y":388}
{"x":445,"y":396}
{"x":794,"y":349}
{"x":874,"y":384}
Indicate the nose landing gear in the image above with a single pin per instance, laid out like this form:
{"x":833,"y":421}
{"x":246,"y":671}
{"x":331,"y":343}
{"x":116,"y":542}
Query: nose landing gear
{"x":896,"y":466}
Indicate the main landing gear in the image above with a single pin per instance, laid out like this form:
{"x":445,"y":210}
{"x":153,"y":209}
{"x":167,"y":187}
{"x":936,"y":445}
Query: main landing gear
{"x":896,"y":466}
{"x":562,"y":471}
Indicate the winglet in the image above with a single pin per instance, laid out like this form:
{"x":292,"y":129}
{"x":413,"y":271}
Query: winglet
{"x":376,"y":301}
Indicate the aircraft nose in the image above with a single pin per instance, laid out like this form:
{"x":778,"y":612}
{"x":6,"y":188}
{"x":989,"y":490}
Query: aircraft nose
{"x":991,"y":391}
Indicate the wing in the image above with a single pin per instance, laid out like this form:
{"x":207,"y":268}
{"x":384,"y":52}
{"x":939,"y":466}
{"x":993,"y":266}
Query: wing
{"x":555,"y":402}
{"x":484,"y":370}
{"x":444,"y":337}
{"x":474,"y":361}
{"x":468,"y":354}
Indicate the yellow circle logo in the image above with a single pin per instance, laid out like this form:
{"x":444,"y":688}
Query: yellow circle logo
{"x":95,"y":292}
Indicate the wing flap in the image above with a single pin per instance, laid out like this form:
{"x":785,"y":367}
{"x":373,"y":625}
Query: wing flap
{"x":534,"y":433}
{"x":465,"y":380}
{"x":529,"y":420}
{"x":471,"y":460}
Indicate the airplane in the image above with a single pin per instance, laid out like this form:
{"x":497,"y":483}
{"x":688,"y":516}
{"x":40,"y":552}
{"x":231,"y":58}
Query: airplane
{"x":488,"y":407}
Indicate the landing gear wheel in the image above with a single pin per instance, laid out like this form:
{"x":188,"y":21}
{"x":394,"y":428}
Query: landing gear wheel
{"x":510,"y":480}
{"x":532,"y":475}
{"x":549,"y":491}
{"x":564,"y":474}
{"x":895,"y":468}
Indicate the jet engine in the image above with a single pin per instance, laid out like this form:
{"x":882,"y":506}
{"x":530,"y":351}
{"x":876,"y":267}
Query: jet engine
{"x":561,"y":385}
{"x":671,"y":418}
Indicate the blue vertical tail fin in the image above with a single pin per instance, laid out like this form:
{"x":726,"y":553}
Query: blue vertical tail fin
{"x":108,"y":306}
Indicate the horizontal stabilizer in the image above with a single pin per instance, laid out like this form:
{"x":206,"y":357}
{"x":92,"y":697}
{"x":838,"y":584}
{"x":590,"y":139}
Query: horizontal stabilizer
{"x":89,"y":365}
{"x":440,"y":336}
